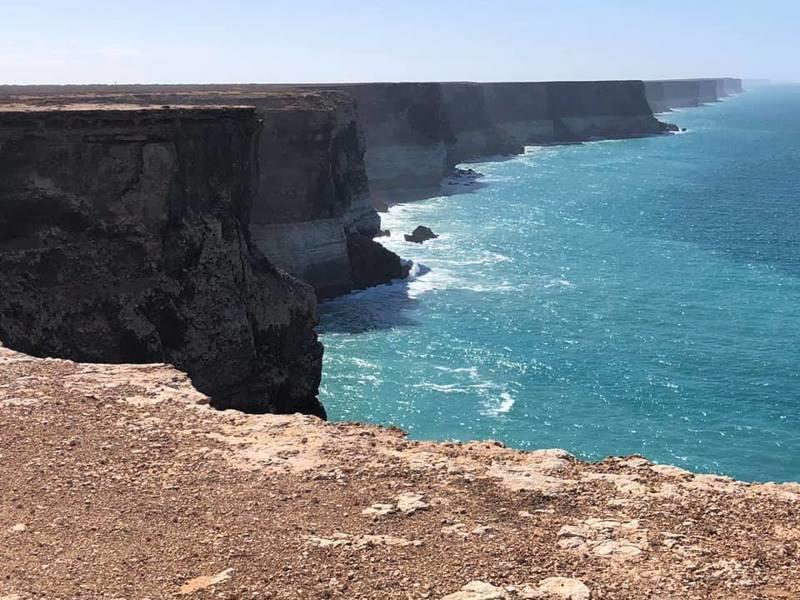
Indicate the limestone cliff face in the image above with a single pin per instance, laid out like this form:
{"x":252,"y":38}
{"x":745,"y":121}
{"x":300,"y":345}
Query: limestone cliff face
{"x":475,"y":131}
{"x":407,"y":134}
{"x":124,"y":238}
{"x":732,"y":85}
{"x":417,"y":132}
{"x":521,"y":111}
{"x":708,"y":90}
{"x":312,"y":192}
{"x":681,"y":93}
{"x":602,"y":109}
{"x":666,"y":95}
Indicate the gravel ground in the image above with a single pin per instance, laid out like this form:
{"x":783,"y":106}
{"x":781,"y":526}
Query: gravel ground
{"x":118,"y":481}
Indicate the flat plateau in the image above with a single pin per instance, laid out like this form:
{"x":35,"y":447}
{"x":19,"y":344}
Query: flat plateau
{"x":118,"y":481}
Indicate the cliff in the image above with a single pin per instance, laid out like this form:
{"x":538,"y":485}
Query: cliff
{"x":407,"y":133}
{"x":475,"y":131}
{"x":119,"y":482}
{"x":501,"y":118}
{"x":417,"y":132}
{"x":311,"y":209}
{"x":313,"y":214}
{"x":124,"y":238}
{"x":319,"y":181}
{"x":601,"y":110}
{"x":681,"y":93}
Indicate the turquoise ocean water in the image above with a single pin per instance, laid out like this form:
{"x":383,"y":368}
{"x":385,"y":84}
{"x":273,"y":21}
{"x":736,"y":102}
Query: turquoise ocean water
{"x":617,"y":297}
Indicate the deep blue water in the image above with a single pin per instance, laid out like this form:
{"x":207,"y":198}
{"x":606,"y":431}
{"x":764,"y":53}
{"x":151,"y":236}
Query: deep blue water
{"x":637,"y":296}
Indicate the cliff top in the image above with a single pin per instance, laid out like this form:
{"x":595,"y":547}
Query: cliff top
{"x":155,"y":99}
{"x":123,"y":110}
{"x":119,"y":481}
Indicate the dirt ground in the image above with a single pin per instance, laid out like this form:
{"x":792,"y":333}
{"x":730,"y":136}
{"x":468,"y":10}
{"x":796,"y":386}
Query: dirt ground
{"x":118,"y":481}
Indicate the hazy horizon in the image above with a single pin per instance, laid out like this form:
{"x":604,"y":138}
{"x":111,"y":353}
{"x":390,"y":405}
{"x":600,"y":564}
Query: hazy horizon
{"x":315,"y":42}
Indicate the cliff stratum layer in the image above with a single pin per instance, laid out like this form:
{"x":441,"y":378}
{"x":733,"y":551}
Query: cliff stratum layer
{"x":124,"y":238}
{"x":665,"y":95}
{"x":119,"y":482}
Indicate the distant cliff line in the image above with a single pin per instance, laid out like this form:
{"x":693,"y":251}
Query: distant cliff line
{"x":144,"y":223}
{"x":665,"y":95}
{"x":393,"y":137}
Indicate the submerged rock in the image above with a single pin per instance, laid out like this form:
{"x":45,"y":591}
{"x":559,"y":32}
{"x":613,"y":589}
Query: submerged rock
{"x":421,"y":234}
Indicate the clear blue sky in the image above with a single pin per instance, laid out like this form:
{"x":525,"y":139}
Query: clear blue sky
{"x":315,"y":41}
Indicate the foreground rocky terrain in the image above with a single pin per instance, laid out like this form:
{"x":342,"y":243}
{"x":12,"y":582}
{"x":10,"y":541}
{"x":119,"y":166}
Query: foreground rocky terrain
{"x":119,"y":481}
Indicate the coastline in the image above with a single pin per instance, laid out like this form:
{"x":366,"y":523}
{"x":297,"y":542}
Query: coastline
{"x":426,"y":416}
{"x":128,"y":465}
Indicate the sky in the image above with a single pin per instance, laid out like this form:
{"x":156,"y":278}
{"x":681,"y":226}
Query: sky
{"x":276,"y":41}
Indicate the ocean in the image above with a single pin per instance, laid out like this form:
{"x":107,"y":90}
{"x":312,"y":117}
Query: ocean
{"x":608,"y":298}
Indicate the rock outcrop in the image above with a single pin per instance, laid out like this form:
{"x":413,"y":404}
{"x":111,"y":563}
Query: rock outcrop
{"x":124,"y":237}
{"x":420,"y":234}
{"x":372,"y":264}
{"x":313,"y":214}
{"x":126,"y":464}
{"x":665,"y":95}
{"x":312,"y":192}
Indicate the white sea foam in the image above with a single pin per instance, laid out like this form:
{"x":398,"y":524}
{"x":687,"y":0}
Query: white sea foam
{"x":450,"y":388}
{"x":364,"y":364}
{"x":487,"y":258}
{"x":472,"y":371}
{"x":559,"y":283}
{"x":507,"y":402}
{"x":423,"y":281}
{"x":502,"y":405}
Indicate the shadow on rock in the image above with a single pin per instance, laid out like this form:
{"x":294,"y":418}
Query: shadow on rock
{"x":377,"y":308}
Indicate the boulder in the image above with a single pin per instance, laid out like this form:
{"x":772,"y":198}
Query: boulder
{"x":421,"y":234}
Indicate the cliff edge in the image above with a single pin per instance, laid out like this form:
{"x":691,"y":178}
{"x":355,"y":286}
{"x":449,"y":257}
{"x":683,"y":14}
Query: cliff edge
{"x":417,"y":132}
{"x":124,"y":238}
{"x":119,"y":482}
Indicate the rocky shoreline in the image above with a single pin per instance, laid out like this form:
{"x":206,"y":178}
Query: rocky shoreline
{"x":176,"y":223}
{"x":120,"y":482}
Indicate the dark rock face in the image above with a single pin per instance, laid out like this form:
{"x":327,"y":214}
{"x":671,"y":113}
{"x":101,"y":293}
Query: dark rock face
{"x":124,"y":238}
{"x":311,"y":192}
{"x":373,"y":264}
{"x":407,"y":131}
{"x":420,"y":234}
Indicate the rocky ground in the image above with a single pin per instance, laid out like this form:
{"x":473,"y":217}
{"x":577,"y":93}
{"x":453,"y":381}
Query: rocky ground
{"x":120,"y":482}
